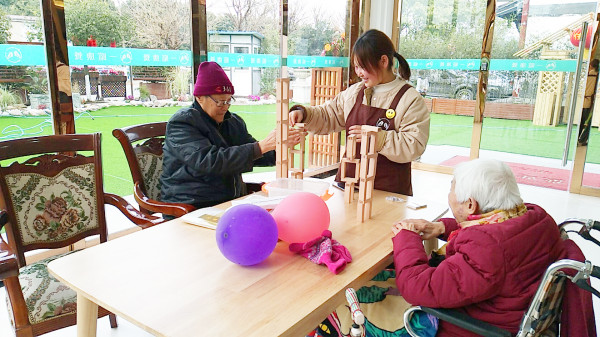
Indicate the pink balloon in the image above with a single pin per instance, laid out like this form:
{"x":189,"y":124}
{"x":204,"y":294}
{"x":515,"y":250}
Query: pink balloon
{"x":301,"y":217}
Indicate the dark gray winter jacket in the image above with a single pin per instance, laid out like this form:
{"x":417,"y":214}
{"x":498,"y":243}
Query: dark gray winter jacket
{"x":204,"y":161}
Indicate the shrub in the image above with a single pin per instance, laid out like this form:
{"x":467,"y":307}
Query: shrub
{"x":179,"y":79}
{"x":37,"y":80}
{"x":144,"y":93}
{"x":8,"y":98}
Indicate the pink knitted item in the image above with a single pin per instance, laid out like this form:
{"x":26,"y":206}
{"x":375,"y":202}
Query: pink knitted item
{"x":324,"y":250}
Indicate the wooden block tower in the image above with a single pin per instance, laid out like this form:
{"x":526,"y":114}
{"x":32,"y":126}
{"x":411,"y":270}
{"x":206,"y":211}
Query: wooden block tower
{"x":297,"y":172}
{"x":282,"y":87}
{"x":350,"y":159}
{"x":368,"y":166}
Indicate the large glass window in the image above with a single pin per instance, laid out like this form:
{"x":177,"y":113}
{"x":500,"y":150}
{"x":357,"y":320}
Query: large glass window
{"x":532,"y":89}
{"x":25,"y":107}
{"x":442,"y":42}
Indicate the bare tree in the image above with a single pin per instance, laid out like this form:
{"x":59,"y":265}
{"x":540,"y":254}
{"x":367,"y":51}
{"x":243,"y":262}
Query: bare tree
{"x":160,"y":24}
{"x":240,"y":10}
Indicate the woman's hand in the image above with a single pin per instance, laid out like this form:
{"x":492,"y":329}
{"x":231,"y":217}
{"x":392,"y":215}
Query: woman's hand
{"x":296,"y":114}
{"x":398,"y":226}
{"x":426,"y":229}
{"x":356,"y":130}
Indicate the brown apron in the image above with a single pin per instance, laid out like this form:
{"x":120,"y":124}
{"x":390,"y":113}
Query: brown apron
{"x":390,"y":176}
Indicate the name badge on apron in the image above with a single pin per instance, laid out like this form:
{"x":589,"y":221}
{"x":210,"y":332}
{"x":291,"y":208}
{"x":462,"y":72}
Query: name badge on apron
{"x":383,"y":123}
{"x":390,"y":113}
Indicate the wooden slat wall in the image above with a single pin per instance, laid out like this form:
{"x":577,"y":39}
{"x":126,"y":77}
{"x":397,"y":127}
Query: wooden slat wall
{"x":324,"y":150}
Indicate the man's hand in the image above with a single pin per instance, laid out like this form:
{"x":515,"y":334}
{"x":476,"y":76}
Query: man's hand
{"x":294,"y":137}
{"x":268,"y":144}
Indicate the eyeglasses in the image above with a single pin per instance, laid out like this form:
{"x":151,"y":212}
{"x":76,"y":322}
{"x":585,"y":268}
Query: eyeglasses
{"x":222,"y":102}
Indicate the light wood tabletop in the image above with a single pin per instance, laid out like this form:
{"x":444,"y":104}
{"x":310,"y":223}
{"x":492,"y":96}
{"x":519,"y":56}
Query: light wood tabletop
{"x":172,"y":280}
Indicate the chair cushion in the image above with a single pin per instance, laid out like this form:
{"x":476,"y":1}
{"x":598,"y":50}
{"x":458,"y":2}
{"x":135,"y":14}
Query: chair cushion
{"x":151,"y":167}
{"x":50,"y":209}
{"x":44,"y":295}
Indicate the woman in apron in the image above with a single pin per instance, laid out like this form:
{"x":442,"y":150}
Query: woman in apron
{"x":384,"y":99}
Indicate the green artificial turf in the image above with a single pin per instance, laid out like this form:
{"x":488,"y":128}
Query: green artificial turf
{"x":511,"y":136}
{"x":117,"y":177}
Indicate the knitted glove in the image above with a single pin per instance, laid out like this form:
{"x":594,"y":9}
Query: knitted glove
{"x":324,"y":250}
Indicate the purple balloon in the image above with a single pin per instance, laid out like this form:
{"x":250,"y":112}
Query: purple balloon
{"x":246,"y":234}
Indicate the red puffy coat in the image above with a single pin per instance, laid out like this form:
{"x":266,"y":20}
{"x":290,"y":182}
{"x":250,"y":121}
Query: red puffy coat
{"x":491,"y":272}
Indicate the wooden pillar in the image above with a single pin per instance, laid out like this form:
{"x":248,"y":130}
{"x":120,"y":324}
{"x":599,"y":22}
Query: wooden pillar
{"x":53,"y":14}
{"x":486,"y":51}
{"x":199,"y":35}
{"x":354,"y":32}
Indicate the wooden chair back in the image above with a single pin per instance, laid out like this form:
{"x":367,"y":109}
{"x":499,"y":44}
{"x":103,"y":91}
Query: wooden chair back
{"x":143,"y":147}
{"x":54,"y":196}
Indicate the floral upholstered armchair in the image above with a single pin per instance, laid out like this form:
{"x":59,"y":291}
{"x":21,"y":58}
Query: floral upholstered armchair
{"x":51,"y":197}
{"x":145,"y":163}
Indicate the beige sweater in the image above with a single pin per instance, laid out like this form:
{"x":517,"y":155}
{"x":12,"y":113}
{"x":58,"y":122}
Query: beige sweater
{"x":404,"y":144}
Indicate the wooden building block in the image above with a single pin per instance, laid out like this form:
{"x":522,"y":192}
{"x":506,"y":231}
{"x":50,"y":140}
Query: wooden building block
{"x":368,"y":168}
{"x":282,"y":88}
{"x":350,"y":158}
{"x":297,"y":172}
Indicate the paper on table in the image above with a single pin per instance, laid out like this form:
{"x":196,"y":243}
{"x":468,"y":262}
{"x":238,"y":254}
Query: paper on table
{"x":259,"y":200}
{"x":204,"y":217}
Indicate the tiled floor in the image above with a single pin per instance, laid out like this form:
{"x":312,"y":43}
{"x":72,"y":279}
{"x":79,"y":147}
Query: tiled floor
{"x":427,"y":186}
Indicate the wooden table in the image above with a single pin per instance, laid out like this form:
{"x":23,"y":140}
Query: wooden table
{"x":172,"y":280}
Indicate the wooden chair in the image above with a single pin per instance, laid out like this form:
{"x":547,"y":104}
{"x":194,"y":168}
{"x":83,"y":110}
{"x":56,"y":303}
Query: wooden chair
{"x":51,"y":197}
{"x":324,"y":150}
{"x":145,"y":163}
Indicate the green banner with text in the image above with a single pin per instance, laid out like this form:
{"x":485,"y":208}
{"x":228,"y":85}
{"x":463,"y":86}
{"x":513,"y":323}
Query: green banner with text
{"x":34,"y":55}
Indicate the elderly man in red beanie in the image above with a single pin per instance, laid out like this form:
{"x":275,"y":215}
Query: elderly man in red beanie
{"x":207,"y":148}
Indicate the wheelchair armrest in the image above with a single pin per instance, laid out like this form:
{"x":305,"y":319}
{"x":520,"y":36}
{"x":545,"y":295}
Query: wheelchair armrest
{"x":169,"y":208}
{"x":8,"y":259}
{"x":467,"y":322}
{"x":140,"y":219}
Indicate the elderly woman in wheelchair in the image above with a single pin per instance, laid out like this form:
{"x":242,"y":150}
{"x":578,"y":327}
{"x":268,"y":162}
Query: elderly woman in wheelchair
{"x":497,"y":250}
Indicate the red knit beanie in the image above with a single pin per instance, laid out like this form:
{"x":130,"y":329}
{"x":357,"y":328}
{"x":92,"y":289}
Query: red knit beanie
{"x":212,"y":80}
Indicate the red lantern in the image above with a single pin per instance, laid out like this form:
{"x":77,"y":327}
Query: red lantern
{"x":576,"y":36}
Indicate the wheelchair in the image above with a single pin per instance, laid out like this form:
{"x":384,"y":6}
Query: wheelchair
{"x":544,"y":311}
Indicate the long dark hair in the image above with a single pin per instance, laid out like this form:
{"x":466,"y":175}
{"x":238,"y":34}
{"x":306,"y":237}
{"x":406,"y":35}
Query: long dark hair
{"x":369,"y":48}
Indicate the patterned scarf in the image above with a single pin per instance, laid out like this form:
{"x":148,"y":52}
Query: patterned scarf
{"x":495,"y":216}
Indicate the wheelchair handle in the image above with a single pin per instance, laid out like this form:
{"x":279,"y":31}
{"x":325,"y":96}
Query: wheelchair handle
{"x":357,"y":315}
{"x":596,"y":272}
{"x":594,"y":224}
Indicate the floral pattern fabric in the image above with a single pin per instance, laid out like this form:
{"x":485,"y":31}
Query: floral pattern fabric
{"x":151,"y":167}
{"x":54,"y":208}
{"x":44,"y":295}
